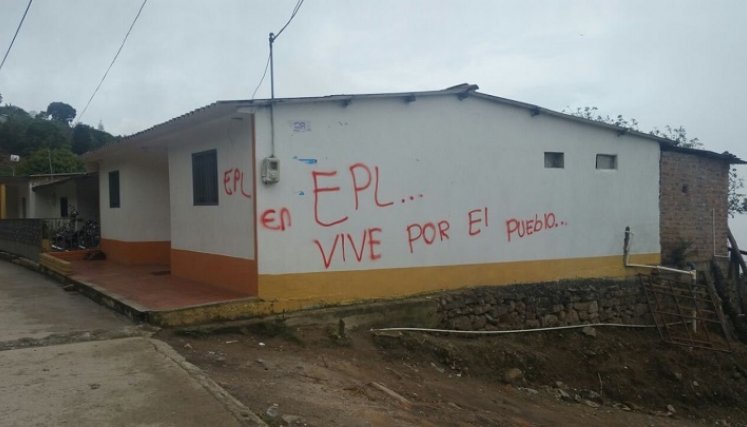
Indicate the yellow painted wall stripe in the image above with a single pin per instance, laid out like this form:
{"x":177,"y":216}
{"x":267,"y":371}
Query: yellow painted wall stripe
{"x":337,"y":287}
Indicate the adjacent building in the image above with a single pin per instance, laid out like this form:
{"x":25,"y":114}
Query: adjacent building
{"x":49,"y":196}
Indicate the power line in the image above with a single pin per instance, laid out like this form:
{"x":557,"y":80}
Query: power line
{"x":293,"y":15}
{"x":16,"y":34}
{"x":267,"y":65}
{"x":274,"y":37}
{"x":95,"y":91}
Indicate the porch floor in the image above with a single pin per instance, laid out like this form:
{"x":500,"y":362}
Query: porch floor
{"x":148,"y":287}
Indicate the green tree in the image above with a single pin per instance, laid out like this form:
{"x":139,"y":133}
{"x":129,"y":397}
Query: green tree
{"x":45,"y":161}
{"x":45,"y":133}
{"x":61,"y":112}
{"x":13,"y":127}
{"x":85,"y":138}
{"x":678,"y":136}
{"x":737,"y":200}
{"x":34,"y":137}
{"x":592,"y":113}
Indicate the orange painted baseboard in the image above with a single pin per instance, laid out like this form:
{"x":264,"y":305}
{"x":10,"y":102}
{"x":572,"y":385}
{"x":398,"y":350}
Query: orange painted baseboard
{"x":71,"y":255}
{"x":136,"y":253}
{"x":236,"y":274}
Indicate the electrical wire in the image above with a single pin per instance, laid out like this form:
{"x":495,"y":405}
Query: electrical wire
{"x":293,"y":15}
{"x":95,"y":91}
{"x":262,"y":79}
{"x":25,"y":12}
{"x":296,"y":8}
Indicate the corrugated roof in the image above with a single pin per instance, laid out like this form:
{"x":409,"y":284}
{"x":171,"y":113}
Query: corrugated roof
{"x":222,"y":108}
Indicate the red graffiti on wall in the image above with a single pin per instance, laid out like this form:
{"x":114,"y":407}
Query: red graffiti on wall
{"x":429,"y":233}
{"x":364,"y":182}
{"x":344,"y":243}
{"x":277,"y":220}
{"x":317,"y":191}
{"x":475,"y":217}
{"x":233,"y":182}
{"x":526,"y":227}
{"x":358,"y":188}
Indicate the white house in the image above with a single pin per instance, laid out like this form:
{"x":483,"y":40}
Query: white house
{"x":379,"y":196}
{"x":49,"y":196}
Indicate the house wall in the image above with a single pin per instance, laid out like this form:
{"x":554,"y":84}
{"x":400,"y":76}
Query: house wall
{"x":137,"y":232}
{"x":87,"y":197}
{"x":384,"y":198}
{"x":694,"y":206}
{"x":44,"y":202}
{"x":215,"y":244}
{"x":10,"y":197}
{"x":15,"y":193}
{"x":22,"y":201}
{"x":47,"y":199}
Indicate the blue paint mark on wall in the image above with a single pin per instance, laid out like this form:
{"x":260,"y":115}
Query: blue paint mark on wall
{"x":307,"y":161}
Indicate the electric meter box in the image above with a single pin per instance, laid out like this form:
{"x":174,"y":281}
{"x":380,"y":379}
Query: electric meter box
{"x":270,"y":170}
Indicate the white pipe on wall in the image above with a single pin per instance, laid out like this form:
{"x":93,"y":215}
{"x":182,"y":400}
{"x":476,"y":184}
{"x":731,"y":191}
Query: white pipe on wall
{"x":626,"y":250}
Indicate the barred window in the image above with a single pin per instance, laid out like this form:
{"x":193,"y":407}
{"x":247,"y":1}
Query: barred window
{"x":205,"y":178}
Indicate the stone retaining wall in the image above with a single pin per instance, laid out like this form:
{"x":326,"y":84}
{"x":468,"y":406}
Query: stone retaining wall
{"x":545,"y":305}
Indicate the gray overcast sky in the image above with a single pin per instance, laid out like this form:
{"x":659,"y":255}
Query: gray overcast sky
{"x":662,"y":62}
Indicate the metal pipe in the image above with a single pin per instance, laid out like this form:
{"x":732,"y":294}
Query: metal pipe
{"x":272,"y":98}
{"x":626,"y":259}
{"x":713,"y":229}
{"x":272,"y":69}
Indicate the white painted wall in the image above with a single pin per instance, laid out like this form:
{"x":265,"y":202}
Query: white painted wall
{"x":46,"y":200}
{"x":87,"y":197}
{"x":460,"y":156}
{"x":143,"y":215}
{"x":228,"y":228}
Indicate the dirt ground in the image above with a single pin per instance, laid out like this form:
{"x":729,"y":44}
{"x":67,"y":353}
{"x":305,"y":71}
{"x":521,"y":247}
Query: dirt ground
{"x":313,"y":376}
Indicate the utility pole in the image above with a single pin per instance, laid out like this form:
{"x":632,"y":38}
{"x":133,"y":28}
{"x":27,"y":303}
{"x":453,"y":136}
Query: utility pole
{"x":272,"y":69}
{"x":272,"y":98}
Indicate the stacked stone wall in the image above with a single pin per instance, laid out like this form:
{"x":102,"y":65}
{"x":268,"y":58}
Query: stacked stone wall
{"x":545,"y":305}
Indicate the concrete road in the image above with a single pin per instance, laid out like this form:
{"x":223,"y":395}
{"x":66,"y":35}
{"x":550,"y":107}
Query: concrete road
{"x":33,"y":306}
{"x":64,"y":360}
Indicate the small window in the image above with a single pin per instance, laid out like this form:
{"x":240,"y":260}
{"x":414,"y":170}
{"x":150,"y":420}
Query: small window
{"x":114,"y":189}
{"x":554,"y":160}
{"x":205,"y":178}
{"x":606,"y":161}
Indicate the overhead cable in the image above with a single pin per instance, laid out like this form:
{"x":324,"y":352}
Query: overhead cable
{"x":95,"y":91}
{"x":296,"y":8}
{"x":293,"y":15}
{"x":267,"y":65}
{"x":25,"y":12}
